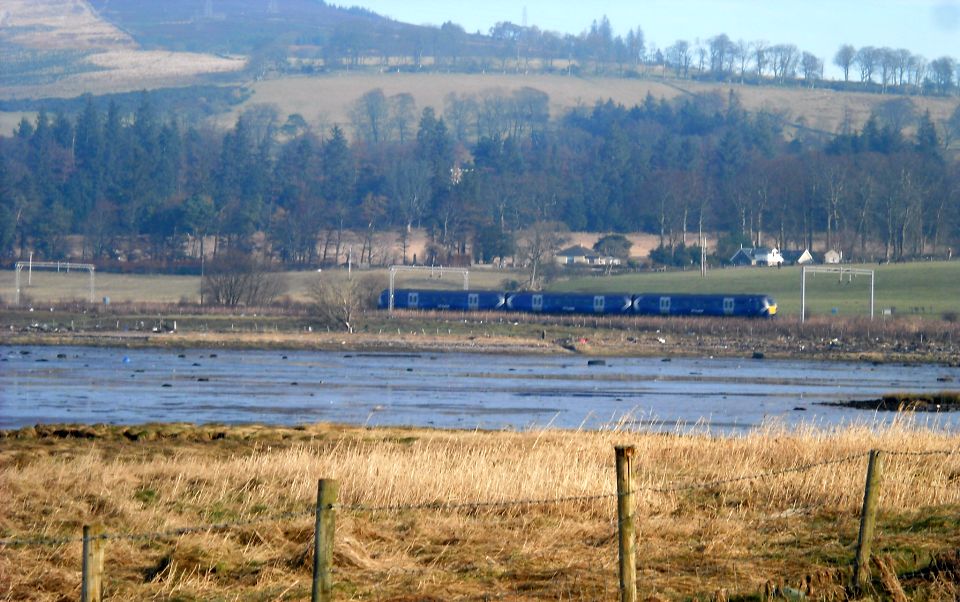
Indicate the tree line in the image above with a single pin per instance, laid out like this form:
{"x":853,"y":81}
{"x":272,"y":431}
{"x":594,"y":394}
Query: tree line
{"x":509,"y":47}
{"x":484,"y":177}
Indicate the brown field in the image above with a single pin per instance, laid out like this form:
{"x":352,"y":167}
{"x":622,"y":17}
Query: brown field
{"x":53,"y":287}
{"x":718,"y":517}
{"x":326,"y":101}
{"x":121,"y":64}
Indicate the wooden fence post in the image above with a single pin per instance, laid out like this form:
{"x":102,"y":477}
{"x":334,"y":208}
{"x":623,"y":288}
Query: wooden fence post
{"x":627,"y":529}
{"x":92,"y":573}
{"x":323,"y":541}
{"x":868,"y":521}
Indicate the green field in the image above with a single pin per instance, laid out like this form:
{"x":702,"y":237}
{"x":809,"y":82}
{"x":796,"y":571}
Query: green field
{"x":930,"y":289}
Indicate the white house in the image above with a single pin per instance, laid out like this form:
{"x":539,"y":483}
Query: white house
{"x":578,"y":255}
{"x":757,"y":256}
{"x":796,"y":257}
{"x":832,"y":256}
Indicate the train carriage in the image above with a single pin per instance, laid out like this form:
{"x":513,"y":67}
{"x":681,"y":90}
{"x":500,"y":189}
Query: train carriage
{"x":666,"y":304}
{"x":670,"y":304}
{"x":569,"y":303}
{"x":443,"y":300}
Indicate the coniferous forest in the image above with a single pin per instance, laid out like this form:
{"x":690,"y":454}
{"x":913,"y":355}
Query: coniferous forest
{"x":477,"y":175}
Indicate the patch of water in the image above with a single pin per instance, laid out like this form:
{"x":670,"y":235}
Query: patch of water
{"x":456,"y":390}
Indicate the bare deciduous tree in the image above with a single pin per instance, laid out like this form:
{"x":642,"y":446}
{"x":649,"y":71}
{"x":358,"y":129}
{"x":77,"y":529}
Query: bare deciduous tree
{"x":678,"y":56}
{"x":339,"y":302}
{"x":844,"y":59}
{"x":234,"y":279}
{"x":866,"y":61}
{"x":369,"y":115}
{"x":812,"y":68}
{"x":540,"y":241}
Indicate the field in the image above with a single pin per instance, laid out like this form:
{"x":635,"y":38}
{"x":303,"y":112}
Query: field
{"x":718,"y":518}
{"x":62,"y":48}
{"x":52,"y":287}
{"x":929,"y":289}
{"x":327,"y":100}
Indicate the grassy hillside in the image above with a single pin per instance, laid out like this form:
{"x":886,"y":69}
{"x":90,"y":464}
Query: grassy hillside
{"x":929,"y":289}
{"x":61,"y":49}
{"x":237,"y":26}
{"x":326,"y":100}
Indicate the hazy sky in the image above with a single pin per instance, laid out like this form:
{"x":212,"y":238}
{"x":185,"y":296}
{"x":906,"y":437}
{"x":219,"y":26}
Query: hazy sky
{"x":930,"y":28}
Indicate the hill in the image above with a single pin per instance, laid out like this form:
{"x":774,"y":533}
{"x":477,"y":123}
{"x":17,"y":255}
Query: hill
{"x":327,"y":100}
{"x":64,"y":48}
{"x":244,"y":26}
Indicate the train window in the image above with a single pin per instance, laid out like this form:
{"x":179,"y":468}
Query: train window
{"x":664,"y":305}
{"x":598,"y":303}
{"x":537,"y":303}
{"x":728,"y":306}
{"x":473,"y":301}
{"x":413,"y":300}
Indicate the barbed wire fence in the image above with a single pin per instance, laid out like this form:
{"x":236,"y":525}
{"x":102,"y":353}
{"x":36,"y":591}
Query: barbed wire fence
{"x":323,"y":512}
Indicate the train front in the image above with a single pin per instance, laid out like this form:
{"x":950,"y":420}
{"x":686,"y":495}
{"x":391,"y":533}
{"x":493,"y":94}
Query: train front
{"x":769,"y":307}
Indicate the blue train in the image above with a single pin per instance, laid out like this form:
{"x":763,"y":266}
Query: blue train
{"x":647,"y":304}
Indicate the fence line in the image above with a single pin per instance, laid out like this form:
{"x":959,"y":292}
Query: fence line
{"x":674,"y":487}
{"x":154,"y":535}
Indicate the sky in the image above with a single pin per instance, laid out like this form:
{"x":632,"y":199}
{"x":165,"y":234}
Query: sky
{"x":930,"y":28}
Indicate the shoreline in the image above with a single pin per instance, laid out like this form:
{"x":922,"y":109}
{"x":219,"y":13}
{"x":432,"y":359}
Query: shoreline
{"x":593,"y":343}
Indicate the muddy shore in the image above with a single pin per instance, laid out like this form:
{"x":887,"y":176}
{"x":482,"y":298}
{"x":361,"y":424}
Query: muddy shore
{"x":909,"y":340}
{"x":600,"y":342}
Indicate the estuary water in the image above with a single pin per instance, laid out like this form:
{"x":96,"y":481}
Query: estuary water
{"x":450,"y":390}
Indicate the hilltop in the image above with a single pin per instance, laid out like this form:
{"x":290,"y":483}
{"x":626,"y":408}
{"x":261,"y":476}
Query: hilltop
{"x":314,"y":59}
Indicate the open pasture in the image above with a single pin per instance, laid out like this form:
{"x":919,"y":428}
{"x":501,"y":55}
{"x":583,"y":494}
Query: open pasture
{"x":53,"y":287}
{"x":326,"y":100}
{"x":928,"y":289}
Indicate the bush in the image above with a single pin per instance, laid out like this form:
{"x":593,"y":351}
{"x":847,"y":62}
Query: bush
{"x":236,"y":279}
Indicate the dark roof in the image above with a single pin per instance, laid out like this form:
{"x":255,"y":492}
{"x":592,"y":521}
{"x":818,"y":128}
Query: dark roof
{"x":578,"y":251}
{"x":792,"y":254}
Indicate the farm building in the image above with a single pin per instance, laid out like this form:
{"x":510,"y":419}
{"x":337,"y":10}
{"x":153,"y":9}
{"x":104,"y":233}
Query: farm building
{"x":757,"y":256}
{"x":578,"y":255}
{"x":795,"y":257}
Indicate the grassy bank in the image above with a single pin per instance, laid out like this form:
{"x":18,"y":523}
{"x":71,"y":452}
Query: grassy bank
{"x":929,"y":290}
{"x":926,"y":289}
{"x":696,"y":536}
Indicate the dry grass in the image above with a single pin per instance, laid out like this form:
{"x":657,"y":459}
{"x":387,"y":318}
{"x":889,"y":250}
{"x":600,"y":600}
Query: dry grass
{"x":53,"y":287}
{"x":327,"y":100}
{"x":122,"y":65}
{"x":797,"y":528}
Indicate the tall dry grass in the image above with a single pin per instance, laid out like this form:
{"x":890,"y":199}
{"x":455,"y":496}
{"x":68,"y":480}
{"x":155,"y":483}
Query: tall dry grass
{"x":737,"y":535}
